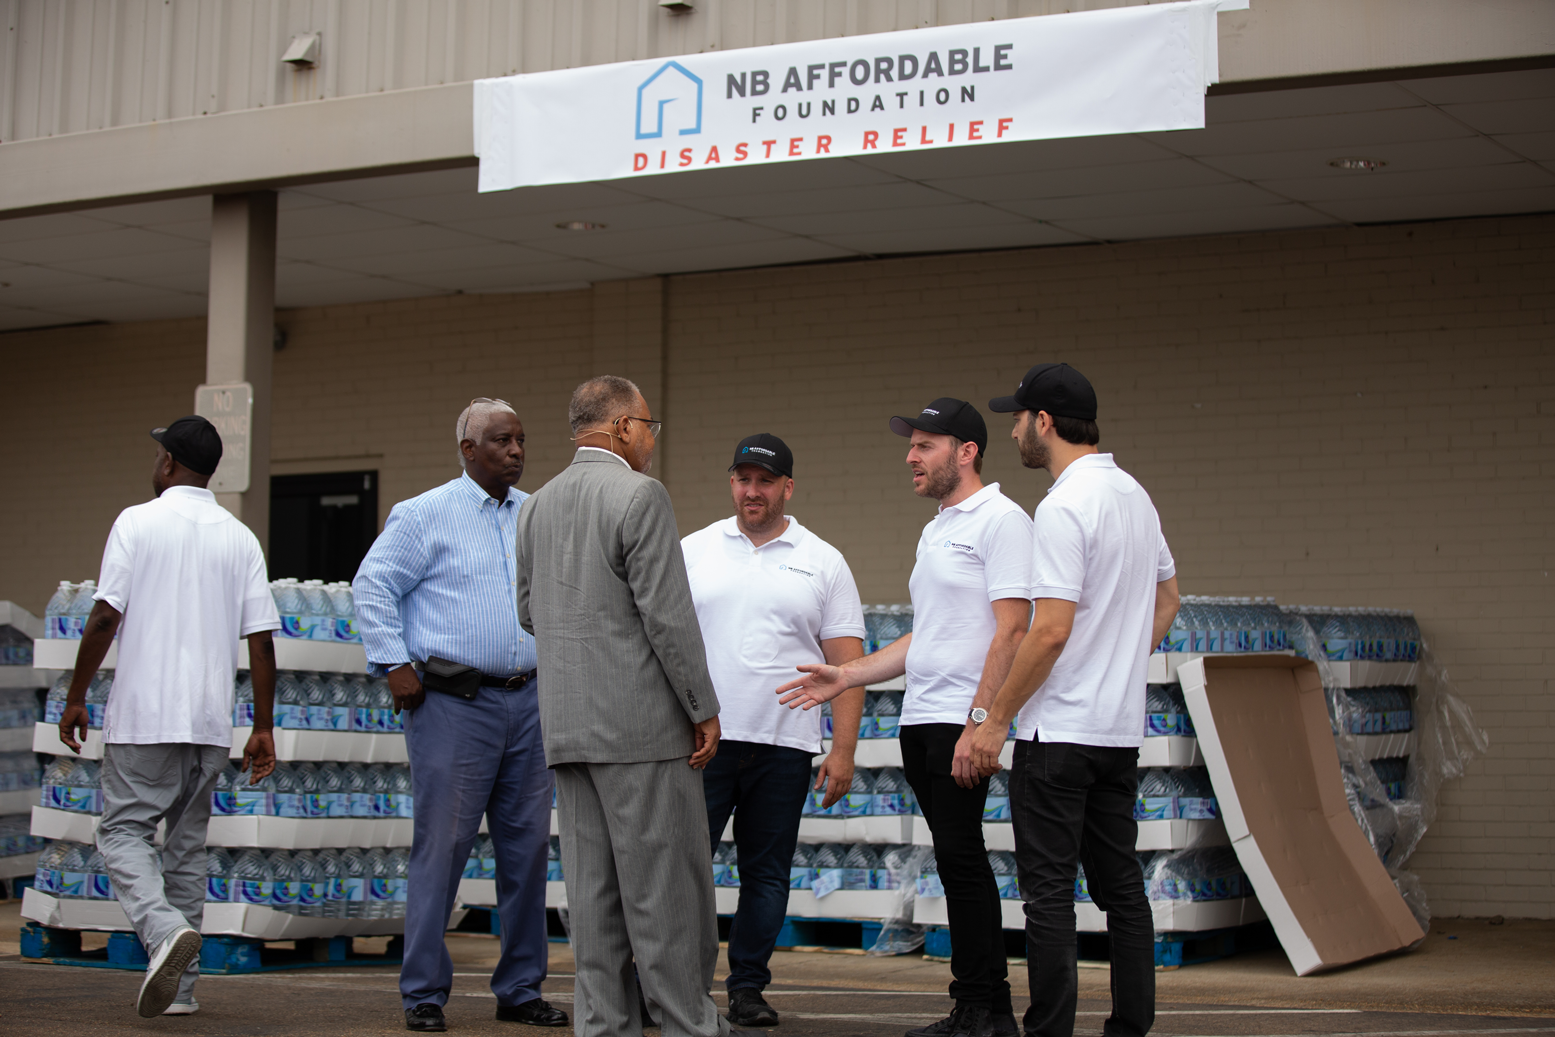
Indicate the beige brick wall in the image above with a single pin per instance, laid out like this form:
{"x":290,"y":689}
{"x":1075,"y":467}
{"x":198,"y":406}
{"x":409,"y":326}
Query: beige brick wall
{"x":1361,"y":416}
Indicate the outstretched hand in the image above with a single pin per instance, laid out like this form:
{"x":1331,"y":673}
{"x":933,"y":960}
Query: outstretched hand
{"x":820,"y":684}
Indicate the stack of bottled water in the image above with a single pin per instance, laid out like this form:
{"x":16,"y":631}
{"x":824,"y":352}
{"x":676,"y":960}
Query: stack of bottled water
{"x":72,"y":783}
{"x":323,"y":702}
{"x":1206,"y":624}
{"x":96,"y":698}
{"x":1384,"y":710}
{"x":1206,"y":874}
{"x":19,"y":771}
{"x":881,"y":792}
{"x":350,"y":883}
{"x":16,"y":836}
{"x":884,"y":624}
{"x":1168,"y":794}
{"x":66,"y":613}
{"x":15,"y":647}
{"x":18,"y":707}
{"x":482,"y":863}
{"x":1166,"y":711}
{"x":312,"y":610}
{"x":73,"y":871}
{"x":1364,"y":634}
{"x":358,"y":790}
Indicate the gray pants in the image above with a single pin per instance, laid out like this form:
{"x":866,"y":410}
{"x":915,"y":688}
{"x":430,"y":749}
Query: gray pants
{"x":634,"y":855}
{"x":142,"y":785}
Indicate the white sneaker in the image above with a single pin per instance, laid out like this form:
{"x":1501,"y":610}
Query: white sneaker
{"x":188,"y":1007}
{"x":160,"y":988}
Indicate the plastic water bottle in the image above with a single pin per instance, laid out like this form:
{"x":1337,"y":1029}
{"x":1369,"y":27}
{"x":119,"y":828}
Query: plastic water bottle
{"x":1157,"y":798}
{"x":404,"y":795}
{"x":929,"y":884}
{"x":1180,"y":707}
{"x":399,"y":880}
{"x":472,"y":863}
{"x":56,"y":622}
{"x":858,"y":866}
{"x":338,"y":692}
{"x":53,"y":792}
{"x":363,"y":718}
{"x":243,"y":700}
{"x":319,"y":616}
{"x":334,"y":790}
{"x":889,"y":798}
{"x":380,"y":894}
{"x":291,"y":704}
{"x":860,"y":795}
{"x":1160,"y":715}
{"x":344,"y":608}
{"x":252,"y":880}
{"x":288,"y":797}
{"x":221,"y":795}
{"x":284,"y":891}
{"x":315,"y":694}
{"x":828,"y":863}
{"x":310,"y":802}
{"x":310,"y":884}
{"x":289,"y":603}
{"x":85,"y":791}
{"x":1003,"y":864}
{"x":888,"y":714}
{"x":997,"y":806}
{"x":1196,"y":797}
{"x":54,"y":704}
{"x":1082,"y":892}
{"x":895,"y":859}
{"x":801,"y":868}
{"x":73,"y":880}
{"x":361,"y":795}
{"x":332,"y":873}
{"x":1335,"y":636}
{"x":553,"y":861}
{"x":488,"y":857}
{"x":252,"y":799}
{"x":97,"y":698}
{"x":218,"y":875}
{"x":47,"y":875}
{"x":80,"y":608}
{"x":355,"y":874}
{"x":389,"y":722}
{"x":721,"y":862}
{"x":1178,"y":636}
{"x":379,"y":790}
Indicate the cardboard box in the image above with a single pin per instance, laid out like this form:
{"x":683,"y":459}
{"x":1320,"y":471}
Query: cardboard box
{"x":1264,"y":730}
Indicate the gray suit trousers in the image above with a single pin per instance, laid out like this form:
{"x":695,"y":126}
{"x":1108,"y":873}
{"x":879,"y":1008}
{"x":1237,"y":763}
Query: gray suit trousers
{"x":142,"y":785}
{"x":634,"y":855}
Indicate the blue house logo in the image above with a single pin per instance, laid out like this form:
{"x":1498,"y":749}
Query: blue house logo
{"x":672,"y":85}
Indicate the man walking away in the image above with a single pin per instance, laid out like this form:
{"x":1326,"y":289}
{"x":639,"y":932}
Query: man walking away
{"x":769,"y":595}
{"x":629,"y":717}
{"x":970,"y":593}
{"x":436,"y":589}
{"x":1106,"y":592}
{"x":182,"y":582}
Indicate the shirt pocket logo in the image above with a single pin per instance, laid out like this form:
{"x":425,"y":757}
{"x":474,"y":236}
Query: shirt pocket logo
{"x":965,"y":548}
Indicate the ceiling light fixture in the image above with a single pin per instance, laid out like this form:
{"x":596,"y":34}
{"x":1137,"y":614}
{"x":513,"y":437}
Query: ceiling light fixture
{"x":579,"y":225}
{"x":1366,"y":165}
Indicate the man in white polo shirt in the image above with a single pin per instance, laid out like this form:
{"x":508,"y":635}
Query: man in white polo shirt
{"x":769,"y":595}
{"x":182,"y":581}
{"x":971,"y":603}
{"x":1105,"y":591}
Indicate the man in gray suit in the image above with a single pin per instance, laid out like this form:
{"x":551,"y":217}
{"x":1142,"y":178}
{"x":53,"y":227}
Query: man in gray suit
{"x":629,"y":717}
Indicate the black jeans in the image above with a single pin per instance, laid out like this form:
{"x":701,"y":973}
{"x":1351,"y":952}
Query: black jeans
{"x":768,"y":783}
{"x":1074,"y":804}
{"x":955,"y":816}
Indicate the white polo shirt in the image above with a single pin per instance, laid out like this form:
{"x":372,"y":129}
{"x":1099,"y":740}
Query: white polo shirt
{"x":970,"y":555}
{"x":1098,"y":543}
{"x":765,"y":610}
{"x":190,"y":581}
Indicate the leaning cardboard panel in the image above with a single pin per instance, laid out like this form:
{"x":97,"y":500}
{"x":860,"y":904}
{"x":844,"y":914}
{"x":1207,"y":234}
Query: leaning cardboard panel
{"x":1264,"y":730}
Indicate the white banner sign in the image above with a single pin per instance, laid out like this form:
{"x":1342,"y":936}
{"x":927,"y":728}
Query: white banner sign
{"x":1122,"y":70}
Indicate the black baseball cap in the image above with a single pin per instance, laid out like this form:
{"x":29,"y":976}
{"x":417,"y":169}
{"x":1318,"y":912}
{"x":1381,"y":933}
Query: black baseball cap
{"x":1056,"y":388}
{"x":193,"y":442}
{"x":765,"y":451}
{"x":947,"y":416}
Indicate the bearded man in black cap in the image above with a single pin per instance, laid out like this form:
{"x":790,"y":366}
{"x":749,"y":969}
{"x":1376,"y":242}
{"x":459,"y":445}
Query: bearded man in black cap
{"x":769,"y":595}
{"x":182,"y":582}
{"x":971,"y":601}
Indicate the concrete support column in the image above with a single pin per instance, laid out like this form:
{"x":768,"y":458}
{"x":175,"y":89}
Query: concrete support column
{"x":629,"y":341}
{"x":240,"y":331}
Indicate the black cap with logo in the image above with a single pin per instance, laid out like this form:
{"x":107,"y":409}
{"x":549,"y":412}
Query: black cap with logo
{"x":1056,"y":388}
{"x":947,"y":416}
{"x":193,"y":442}
{"x":765,"y":451}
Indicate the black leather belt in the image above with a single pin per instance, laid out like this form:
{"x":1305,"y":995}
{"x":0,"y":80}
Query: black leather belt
{"x":511,"y":683}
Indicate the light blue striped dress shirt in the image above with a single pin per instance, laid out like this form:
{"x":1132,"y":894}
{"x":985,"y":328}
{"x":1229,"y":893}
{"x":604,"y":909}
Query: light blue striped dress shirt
{"x":440,"y":580}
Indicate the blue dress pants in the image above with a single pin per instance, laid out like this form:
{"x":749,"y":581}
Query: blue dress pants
{"x":768,"y":783}
{"x":469,"y":759}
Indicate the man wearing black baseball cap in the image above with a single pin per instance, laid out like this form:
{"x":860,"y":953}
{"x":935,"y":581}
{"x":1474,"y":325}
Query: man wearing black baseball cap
{"x":1105,"y":591}
{"x":971,"y":595}
{"x":182,"y":582}
{"x":769,"y":595}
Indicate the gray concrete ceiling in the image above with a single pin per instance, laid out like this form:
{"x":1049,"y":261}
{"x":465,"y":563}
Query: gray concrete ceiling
{"x":1456,"y":146}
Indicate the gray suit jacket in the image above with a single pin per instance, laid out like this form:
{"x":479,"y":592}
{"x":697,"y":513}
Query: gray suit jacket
{"x":602,"y":586}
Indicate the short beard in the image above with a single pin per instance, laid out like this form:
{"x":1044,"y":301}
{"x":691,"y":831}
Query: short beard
{"x":1033,"y":452}
{"x":772,"y":517}
{"x":943,"y":481}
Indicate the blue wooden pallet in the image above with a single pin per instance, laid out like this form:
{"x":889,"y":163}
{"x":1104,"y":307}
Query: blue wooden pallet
{"x":219,"y":955}
{"x":840,"y":934}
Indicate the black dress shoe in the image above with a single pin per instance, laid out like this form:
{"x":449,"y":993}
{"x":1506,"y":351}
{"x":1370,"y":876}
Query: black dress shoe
{"x":537,"y":1012}
{"x":748,"y":1008}
{"x":963,"y":1021}
{"x":426,"y":1018}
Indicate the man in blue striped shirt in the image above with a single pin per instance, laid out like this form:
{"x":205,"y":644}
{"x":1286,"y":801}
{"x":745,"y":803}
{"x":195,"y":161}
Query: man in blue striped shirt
{"x":439,"y":582}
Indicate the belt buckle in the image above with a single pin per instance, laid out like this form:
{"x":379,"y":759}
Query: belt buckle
{"x":518,"y":680}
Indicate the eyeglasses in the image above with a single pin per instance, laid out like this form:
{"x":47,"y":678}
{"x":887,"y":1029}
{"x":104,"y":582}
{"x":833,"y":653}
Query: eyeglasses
{"x":653,"y":426}
{"x":469,"y":412}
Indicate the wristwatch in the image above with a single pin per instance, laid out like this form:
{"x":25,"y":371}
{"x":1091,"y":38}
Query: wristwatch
{"x":977,"y":716}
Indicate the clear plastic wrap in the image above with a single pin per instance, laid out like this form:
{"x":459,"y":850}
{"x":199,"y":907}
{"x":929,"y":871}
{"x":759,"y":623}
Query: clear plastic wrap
{"x":1446,"y":739}
{"x":899,"y":934}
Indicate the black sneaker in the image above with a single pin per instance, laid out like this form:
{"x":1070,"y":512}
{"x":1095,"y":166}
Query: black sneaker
{"x":748,"y":1008}
{"x":426,"y":1018}
{"x":1003,"y":1024}
{"x":963,"y":1021}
